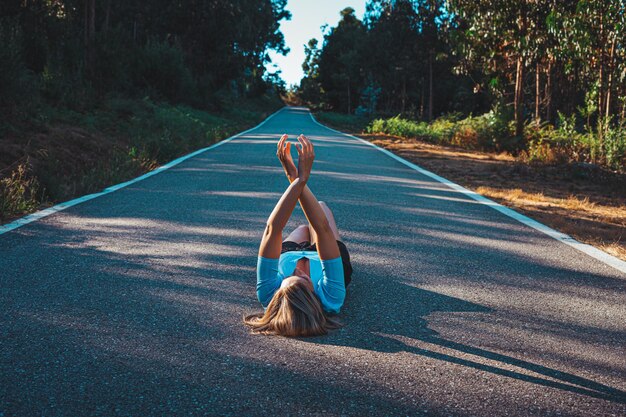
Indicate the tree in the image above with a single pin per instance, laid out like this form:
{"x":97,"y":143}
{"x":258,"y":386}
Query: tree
{"x":339,"y":66}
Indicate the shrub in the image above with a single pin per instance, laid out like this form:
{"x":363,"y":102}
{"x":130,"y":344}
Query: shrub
{"x":162,"y":72}
{"x":353,"y":123}
{"x":614,"y":147}
{"x":19,"y":192}
{"x":400,"y":127}
{"x":487,"y":132}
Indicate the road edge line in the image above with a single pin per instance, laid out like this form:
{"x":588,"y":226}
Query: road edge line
{"x":67,"y":204}
{"x":592,"y":251}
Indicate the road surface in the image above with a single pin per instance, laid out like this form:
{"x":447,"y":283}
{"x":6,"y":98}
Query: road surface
{"x":131,"y":303}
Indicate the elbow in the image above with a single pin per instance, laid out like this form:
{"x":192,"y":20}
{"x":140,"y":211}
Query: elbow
{"x":324,"y":227}
{"x":269,"y":229}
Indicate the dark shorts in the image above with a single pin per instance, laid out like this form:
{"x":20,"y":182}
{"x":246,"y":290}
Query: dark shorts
{"x":289,"y":246}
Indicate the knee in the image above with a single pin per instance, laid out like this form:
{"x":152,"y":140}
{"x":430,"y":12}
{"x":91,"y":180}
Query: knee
{"x":303,"y":226}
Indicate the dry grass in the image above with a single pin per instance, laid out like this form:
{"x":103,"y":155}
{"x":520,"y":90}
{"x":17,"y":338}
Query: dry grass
{"x":588,"y":204}
{"x":573,"y":208}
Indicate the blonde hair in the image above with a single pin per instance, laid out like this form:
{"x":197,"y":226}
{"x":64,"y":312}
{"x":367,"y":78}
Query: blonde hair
{"x":294,"y":311}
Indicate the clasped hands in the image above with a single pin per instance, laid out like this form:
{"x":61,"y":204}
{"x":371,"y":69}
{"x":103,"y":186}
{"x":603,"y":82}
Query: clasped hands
{"x":306,"y":155}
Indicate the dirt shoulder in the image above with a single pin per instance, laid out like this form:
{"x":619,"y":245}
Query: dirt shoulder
{"x":583,"y":201}
{"x":69,"y":154}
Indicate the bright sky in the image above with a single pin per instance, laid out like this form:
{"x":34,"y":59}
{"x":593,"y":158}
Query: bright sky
{"x":307,"y":18}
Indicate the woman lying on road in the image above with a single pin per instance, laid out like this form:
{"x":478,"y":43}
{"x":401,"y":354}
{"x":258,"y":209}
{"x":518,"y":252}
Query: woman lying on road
{"x":305,"y":277}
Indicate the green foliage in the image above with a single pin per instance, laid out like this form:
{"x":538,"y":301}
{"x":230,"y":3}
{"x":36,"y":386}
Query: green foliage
{"x":161,"y":69}
{"x":121,"y":139}
{"x":614,"y":147}
{"x":432,"y":57}
{"x":19,"y":192}
{"x":493,"y":131}
{"x":605,"y":146}
{"x":487,"y":132}
{"x":348,"y":122}
{"x":339,"y":62}
{"x":401,"y":127}
{"x":183,"y":52}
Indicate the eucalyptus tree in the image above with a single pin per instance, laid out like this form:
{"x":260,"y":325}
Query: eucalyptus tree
{"x":593,"y":36}
{"x":394,"y":58}
{"x":340,"y":62}
{"x":497,"y":39}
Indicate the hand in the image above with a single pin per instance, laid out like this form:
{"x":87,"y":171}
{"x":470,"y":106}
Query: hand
{"x":305,"y":158}
{"x":284,"y":155}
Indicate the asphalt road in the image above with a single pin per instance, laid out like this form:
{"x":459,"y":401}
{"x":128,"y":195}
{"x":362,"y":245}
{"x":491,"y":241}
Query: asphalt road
{"x":131,"y":303}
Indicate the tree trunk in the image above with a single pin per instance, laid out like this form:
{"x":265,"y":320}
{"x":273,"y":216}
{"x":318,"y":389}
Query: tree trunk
{"x":403,"y":94}
{"x":601,"y":77}
{"x":107,"y":16}
{"x":422,"y":100}
{"x":519,"y":95}
{"x":90,"y":32}
{"x":537,"y":93}
{"x":519,"y":76}
{"x":549,"y":91}
{"x":430,"y":86}
{"x":609,"y":85}
{"x":623,"y":113}
{"x":349,"y":98}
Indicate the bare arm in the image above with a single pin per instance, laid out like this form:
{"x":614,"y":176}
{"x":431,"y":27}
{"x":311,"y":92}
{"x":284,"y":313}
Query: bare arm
{"x":273,"y":234}
{"x":327,"y":243}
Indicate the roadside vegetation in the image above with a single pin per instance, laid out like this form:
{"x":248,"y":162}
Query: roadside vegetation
{"x":95,"y":93}
{"x":492,"y":132}
{"x":584,"y":200}
{"x":524,"y":102}
{"x":64,"y":154}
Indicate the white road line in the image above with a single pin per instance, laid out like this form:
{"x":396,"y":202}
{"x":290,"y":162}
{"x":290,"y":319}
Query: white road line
{"x":62,"y":206}
{"x":562,"y":237}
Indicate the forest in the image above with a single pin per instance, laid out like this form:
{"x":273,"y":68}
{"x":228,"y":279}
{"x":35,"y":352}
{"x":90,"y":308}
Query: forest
{"x":544,"y":78}
{"x":97,"y":92}
{"x":74,"y":52}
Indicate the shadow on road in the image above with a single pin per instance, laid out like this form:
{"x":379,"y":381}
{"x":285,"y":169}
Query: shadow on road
{"x":391,"y":325}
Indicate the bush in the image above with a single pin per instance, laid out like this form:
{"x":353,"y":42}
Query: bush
{"x":162,"y":72}
{"x":549,"y":144}
{"x":401,"y":127}
{"x":487,"y":132}
{"x":614,"y":147}
{"x":19,"y":192}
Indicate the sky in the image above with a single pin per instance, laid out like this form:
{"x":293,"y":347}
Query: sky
{"x":307,"y":17}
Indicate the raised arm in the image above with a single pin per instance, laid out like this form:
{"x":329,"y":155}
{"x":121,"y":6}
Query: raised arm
{"x":273,"y":234}
{"x":326,"y":241}
{"x":327,"y":244}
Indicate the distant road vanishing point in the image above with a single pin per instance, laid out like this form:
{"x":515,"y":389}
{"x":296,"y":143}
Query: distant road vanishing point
{"x":131,"y":303}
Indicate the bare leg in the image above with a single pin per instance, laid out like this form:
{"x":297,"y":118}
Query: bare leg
{"x":331,"y":221}
{"x":300,"y":234}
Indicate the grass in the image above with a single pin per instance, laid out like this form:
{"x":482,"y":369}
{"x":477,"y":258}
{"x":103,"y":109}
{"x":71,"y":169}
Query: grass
{"x":585,"y":201}
{"x":64,"y":153}
{"x":493,"y":132}
{"x":346,"y":122}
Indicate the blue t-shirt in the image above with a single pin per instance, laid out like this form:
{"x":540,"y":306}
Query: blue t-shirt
{"x":326,"y":275}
